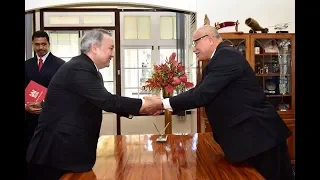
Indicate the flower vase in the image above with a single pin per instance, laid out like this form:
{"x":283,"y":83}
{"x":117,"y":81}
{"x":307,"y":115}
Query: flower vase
{"x":166,"y":94}
{"x":167,"y":113}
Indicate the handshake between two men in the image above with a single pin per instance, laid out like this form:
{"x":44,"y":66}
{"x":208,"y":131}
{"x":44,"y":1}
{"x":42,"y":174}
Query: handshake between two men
{"x":152,"y":105}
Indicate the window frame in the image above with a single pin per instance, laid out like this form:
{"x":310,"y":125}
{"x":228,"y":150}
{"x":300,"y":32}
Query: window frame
{"x":155,"y":43}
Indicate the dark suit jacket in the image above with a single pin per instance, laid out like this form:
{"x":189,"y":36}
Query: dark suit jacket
{"x":49,"y":68}
{"x":243,"y":122}
{"x":68,"y":130}
{"x":31,"y":72}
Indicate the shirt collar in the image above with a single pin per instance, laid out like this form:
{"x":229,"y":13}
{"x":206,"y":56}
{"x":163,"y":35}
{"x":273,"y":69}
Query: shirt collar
{"x":213,"y":54}
{"x":44,"y":57}
{"x":96,"y":66}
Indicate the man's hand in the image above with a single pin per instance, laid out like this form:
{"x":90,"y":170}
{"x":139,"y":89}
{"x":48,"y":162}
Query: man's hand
{"x":152,"y":105}
{"x":34,"y":108}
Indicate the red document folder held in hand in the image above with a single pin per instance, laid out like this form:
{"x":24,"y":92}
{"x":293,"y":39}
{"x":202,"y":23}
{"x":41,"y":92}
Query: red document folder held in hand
{"x":35,"y":92}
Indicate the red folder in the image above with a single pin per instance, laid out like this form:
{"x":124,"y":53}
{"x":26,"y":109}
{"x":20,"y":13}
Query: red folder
{"x":35,"y":92}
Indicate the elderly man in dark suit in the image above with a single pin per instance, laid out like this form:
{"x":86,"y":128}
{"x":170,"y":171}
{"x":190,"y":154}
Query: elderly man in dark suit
{"x":40,"y":69}
{"x":247,"y":127}
{"x":66,"y":137}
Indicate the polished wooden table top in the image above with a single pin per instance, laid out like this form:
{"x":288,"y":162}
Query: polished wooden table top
{"x":182,"y":157}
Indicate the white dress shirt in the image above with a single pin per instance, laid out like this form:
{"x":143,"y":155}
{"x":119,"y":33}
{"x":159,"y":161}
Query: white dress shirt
{"x":43,"y":58}
{"x":166,"y":102}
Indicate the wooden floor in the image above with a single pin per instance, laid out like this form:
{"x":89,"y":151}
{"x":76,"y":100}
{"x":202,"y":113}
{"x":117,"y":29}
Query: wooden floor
{"x":182,"y":157}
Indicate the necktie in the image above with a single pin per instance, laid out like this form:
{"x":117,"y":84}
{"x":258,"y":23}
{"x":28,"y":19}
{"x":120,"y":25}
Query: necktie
{"x":40,"y":64}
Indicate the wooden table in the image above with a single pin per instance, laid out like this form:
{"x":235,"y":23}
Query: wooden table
{"x":183,"y":157}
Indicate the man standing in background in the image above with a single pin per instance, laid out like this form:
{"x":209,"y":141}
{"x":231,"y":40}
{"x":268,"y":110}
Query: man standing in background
{"x":40,"y":69}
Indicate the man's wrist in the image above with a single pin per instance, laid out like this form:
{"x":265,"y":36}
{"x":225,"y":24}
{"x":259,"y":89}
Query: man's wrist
{"x":166,"y":104}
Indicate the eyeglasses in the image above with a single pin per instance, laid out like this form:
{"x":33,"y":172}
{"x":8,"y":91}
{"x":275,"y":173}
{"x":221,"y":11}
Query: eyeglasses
{"x":194,"y":42}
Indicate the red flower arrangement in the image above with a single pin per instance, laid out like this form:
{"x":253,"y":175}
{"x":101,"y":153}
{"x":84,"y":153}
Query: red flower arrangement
{"x":168,"y":77}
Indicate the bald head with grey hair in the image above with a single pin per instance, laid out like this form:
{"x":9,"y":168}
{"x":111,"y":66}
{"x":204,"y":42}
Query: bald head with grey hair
{"x":94,"y":36}
{"x":210,"y":31}
{"x":98,"y":45}
{"x":205,"y":41}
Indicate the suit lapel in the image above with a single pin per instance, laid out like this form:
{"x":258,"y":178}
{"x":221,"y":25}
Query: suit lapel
{"x":35,"y":66}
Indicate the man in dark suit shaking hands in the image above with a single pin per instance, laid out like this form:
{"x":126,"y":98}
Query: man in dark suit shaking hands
{"x":66,"y":137}
{"x":247,"y":127}
{"x":40,"y":69}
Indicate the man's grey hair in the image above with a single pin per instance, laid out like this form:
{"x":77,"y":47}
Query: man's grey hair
{"x":210,"y":31}
{"x":94,"y":36}
{"x":215,"y":33}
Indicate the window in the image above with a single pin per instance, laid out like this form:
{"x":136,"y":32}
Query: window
{"x":144,"y":43}
{"x":166,"y":53}
{"x":168,"y":27}
{"x":137,"y":69}
{"x":64,"y":44}
{"x":108,"y":77}
{"x":78,"y":19}
{"x":137,"y":27}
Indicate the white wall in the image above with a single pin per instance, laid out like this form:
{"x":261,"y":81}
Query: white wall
{"x":267,"y":13}
{"x":187,"y":5}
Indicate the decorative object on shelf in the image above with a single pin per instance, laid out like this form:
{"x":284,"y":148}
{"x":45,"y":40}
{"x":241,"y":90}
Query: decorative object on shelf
{"x":258,"y":47}
{"x":255,"y":26}
{"x":275,"y":64}
{"x":284,"y":51}
{"x":280,"y":28}
{"x":283,"y":107}
{"x":256,"y":50}
{"x":283,"y":85}
{"x":168,"y":77}
{"x":271,"y":48}
{"x":271,"y":86}
{"x":228,"y":24}
{"x":242,"y":48}
{"x":206,"y":20}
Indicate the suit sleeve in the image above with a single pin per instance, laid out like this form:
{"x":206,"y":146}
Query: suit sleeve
{"x":166,"y":101}
{"x":225,"y":68}
{"x":87,"y":84}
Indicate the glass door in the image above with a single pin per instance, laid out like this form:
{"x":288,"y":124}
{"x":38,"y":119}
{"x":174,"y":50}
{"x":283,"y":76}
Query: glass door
{"x":273,"y":57}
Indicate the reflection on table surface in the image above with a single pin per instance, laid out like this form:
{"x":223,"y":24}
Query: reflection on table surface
{"x":185,"y":156}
